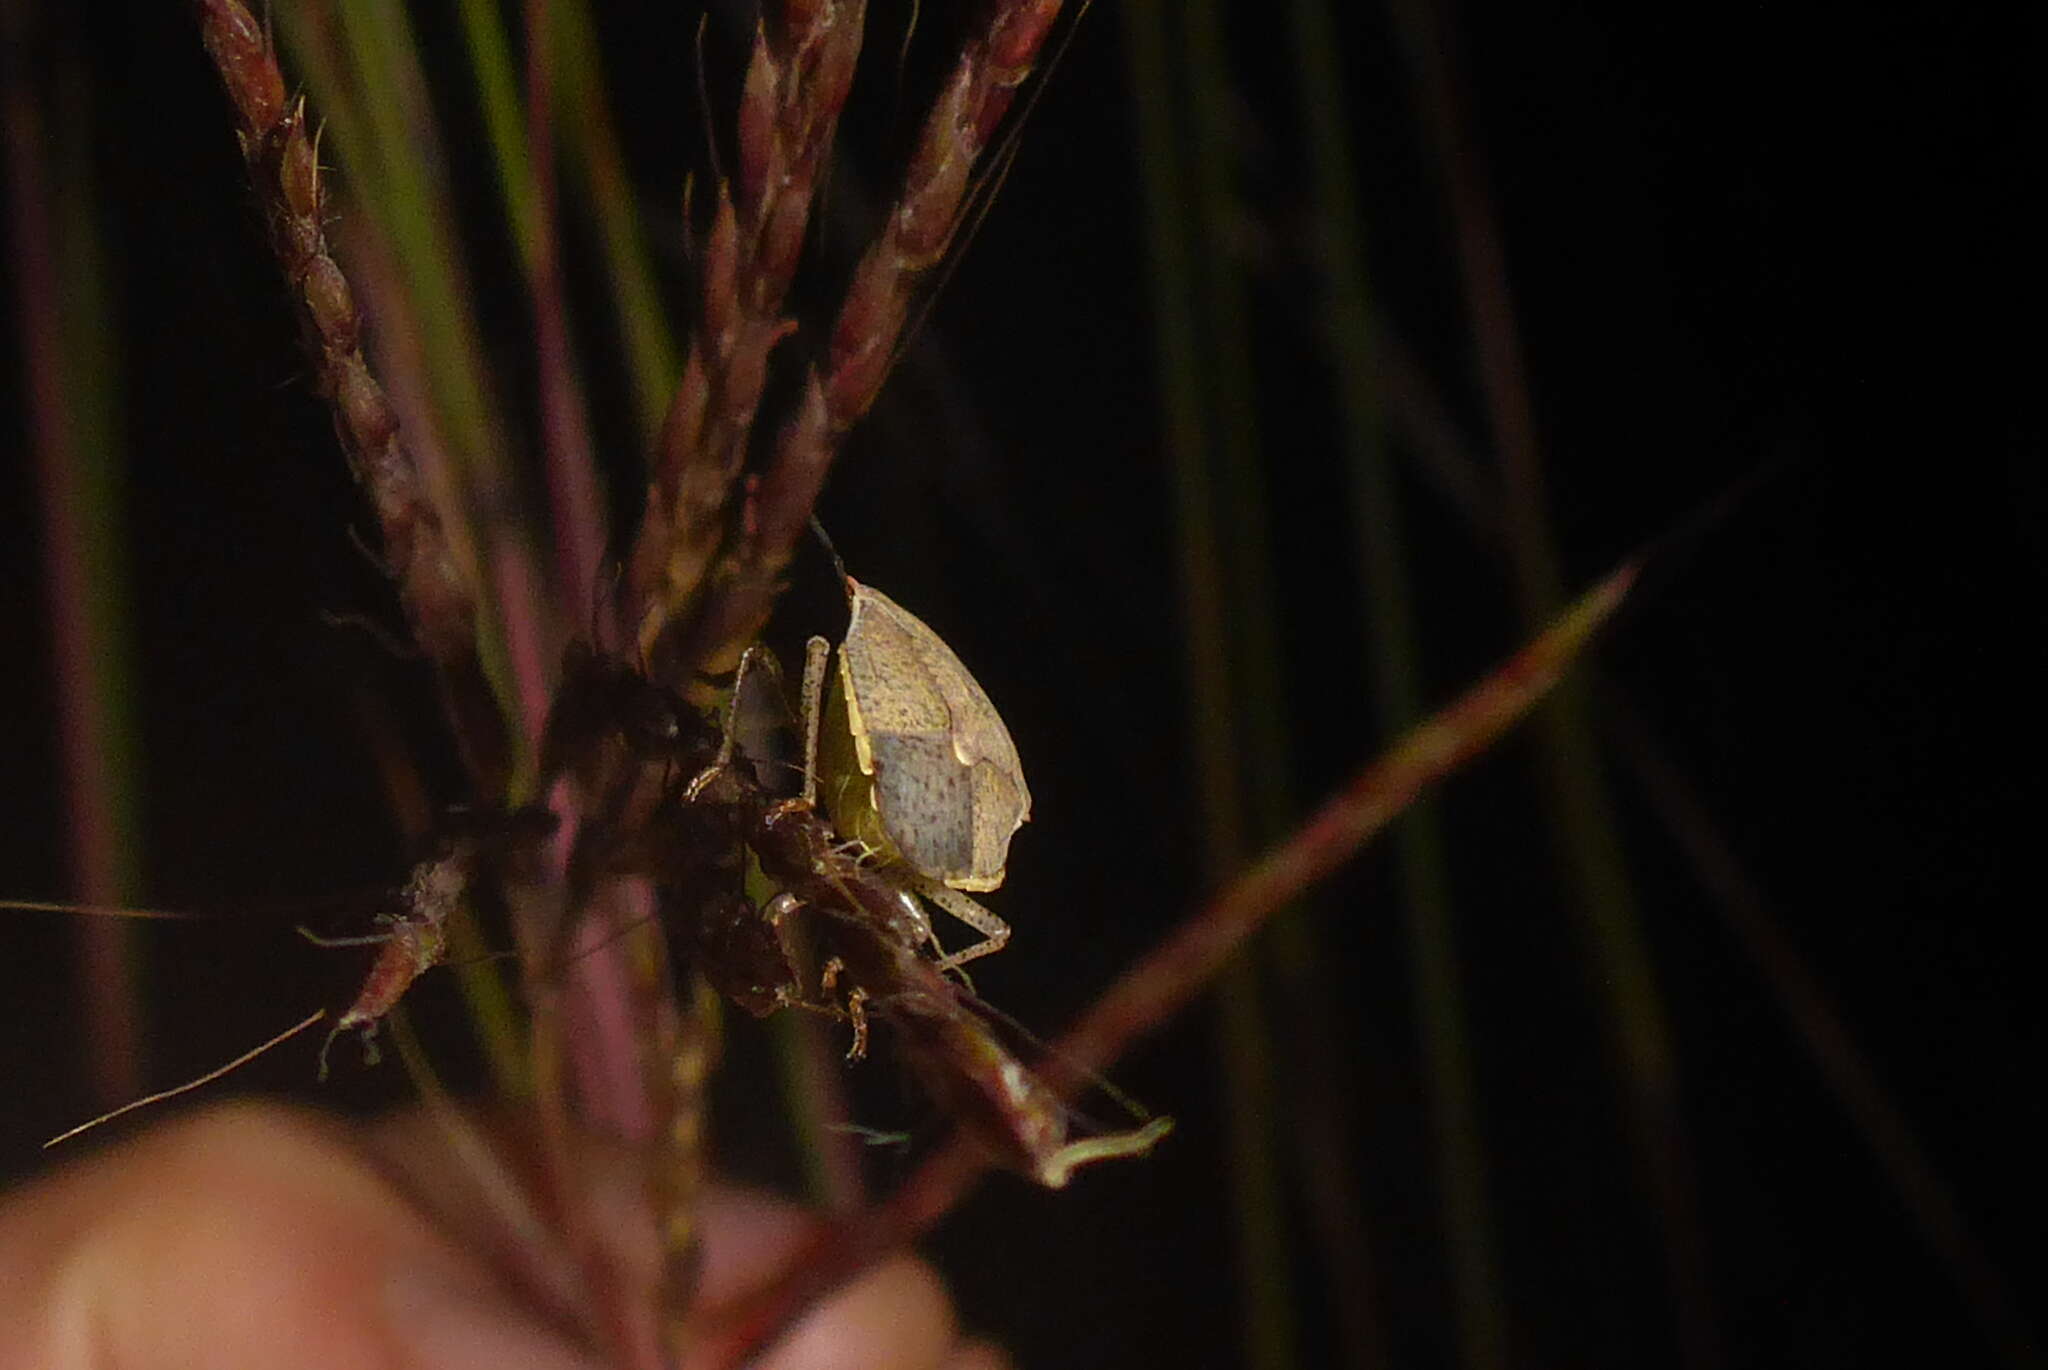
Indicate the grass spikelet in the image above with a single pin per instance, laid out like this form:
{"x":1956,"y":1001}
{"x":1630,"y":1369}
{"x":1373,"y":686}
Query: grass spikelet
{"x":796,"y":84}
{"x":929,"y":208}
{"x":284,"y":167}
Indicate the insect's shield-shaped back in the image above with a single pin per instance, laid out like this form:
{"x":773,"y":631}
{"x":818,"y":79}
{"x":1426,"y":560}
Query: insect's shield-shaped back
{"x":946,"y":785}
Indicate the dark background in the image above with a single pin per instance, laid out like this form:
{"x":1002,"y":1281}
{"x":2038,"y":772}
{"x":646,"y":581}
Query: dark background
{"x":1743,"y":242}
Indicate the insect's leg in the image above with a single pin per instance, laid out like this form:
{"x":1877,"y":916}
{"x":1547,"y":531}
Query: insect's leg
{"x":857,"y":1013}
{"x":729,"y":726}
{"x":994,"y":931}
{"x":728,"y":729}
{"x":856,"y":1010}
{"x":856,"y":850}
{"x":816,"y":652}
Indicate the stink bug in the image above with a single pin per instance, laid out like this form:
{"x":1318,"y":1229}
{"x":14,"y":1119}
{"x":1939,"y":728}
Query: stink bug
{"x":915,"y":763}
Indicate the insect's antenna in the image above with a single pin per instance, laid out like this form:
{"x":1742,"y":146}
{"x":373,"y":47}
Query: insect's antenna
{"x":146,"y":1100}
{"x":100,"y":910}
{"x":825,"y":541}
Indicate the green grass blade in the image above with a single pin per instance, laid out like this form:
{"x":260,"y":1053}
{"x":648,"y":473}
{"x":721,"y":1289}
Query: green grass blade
{"x":590,"y":148}
{"x":1224,"y":586}
{"x":1389,"y":600}
{"x":496,"y":79}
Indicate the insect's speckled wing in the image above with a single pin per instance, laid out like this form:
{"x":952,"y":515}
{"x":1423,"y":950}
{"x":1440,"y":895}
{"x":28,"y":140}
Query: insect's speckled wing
{"x":948,"y":780}
{"x":926,"y":798}
{"x":887,"y":657}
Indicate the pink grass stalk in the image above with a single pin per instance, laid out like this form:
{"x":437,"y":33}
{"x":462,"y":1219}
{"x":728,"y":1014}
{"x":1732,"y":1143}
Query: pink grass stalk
{"x":591,"y":1021}
{"x":1174,"y":973}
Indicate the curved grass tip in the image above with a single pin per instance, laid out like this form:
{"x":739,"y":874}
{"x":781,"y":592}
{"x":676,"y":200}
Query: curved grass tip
{"x":1055,"y":1170}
